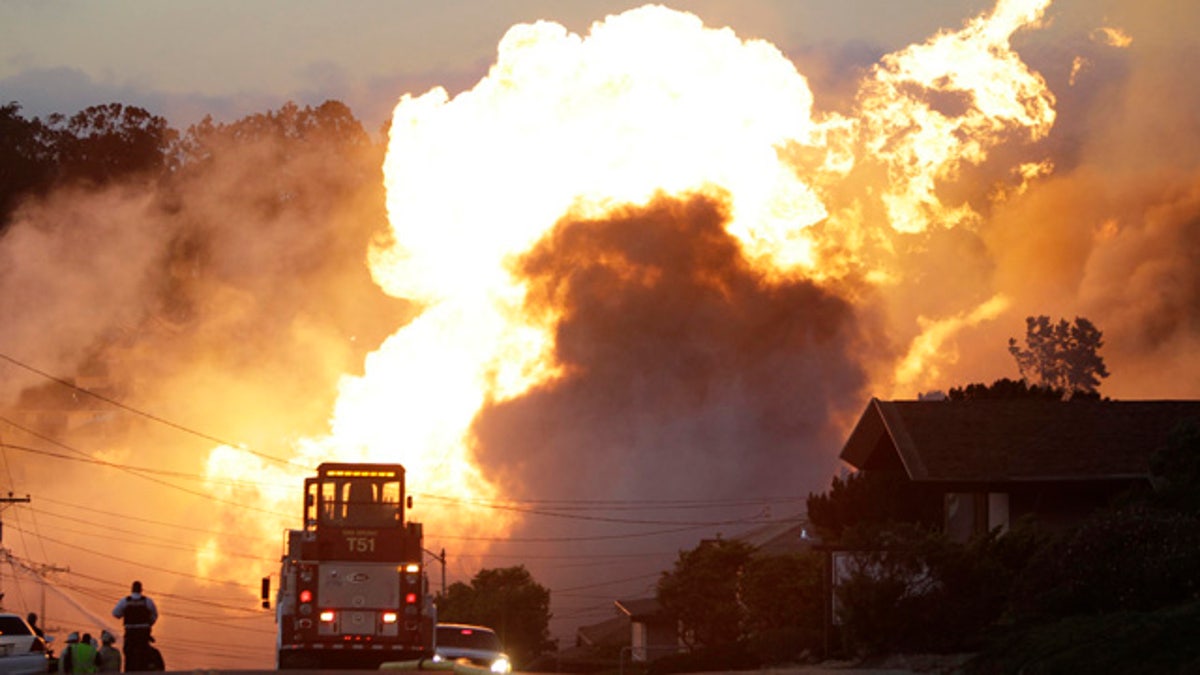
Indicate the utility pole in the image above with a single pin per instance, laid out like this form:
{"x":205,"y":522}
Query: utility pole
{"x":43,"y":570}
{"x":4,"y":504}
{"x":442,"y":559}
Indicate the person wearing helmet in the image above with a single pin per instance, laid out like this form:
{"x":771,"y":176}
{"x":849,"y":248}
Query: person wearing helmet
{"x":79,"y":657}
{"x":139,"y":614}
{"x":110,"y":656}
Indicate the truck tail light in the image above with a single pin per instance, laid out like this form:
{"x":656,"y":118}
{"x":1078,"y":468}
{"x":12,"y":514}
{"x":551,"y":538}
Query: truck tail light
{"x":411,"y":598}
{"x":327,"y":616}
{"x":389,"y":617}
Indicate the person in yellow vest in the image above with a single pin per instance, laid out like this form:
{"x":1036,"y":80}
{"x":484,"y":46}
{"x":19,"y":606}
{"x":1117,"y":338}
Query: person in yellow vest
{"x":79,"y":657}
{"x":110,"y":656}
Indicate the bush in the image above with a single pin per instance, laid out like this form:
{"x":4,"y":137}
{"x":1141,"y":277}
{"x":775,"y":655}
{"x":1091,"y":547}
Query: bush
{"x":783,"y":601}
{"x":927,"y":593}
{"x":1163,"y":641}
{"x":1135,"y":558}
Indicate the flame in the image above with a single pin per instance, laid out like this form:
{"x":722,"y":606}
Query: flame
{"x":1112,"y":37}
{"x":650,"y":103}
{"x":564,"y":124}
{"x":919,"y":367}
{"x":1078,"y":65}
{"x":933,"y":108}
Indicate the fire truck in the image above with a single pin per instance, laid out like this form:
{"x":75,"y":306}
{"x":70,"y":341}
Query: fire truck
{"x":352,"y":589}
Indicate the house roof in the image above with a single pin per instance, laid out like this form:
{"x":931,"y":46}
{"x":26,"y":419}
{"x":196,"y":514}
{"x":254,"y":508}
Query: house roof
{"x":1015,"y":440}
{"x":787,"y":535}
{"x":614,"y":631}
{"x":640,"y":609}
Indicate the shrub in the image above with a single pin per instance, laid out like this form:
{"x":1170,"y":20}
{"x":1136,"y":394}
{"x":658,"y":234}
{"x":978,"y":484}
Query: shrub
{"x":1135,"y":558}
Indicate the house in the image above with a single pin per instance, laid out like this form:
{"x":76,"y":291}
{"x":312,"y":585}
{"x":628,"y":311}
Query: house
{"x":994,"y":461}
{"x":653,"y":632}
{"x":984,"y":463}
{"x":640,"y":632}
{"x":781,"y":537}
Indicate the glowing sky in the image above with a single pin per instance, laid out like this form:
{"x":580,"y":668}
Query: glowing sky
{"x":228,"y":58}
{"x":1097,"y":217}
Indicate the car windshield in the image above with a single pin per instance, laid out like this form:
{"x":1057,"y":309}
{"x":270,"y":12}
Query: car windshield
{"x":468,"y":638}
{"x":13,"y":625}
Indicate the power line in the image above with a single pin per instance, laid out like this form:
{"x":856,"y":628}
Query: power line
{"x":142,"y":413}
{"x":483,"y":504}
{"x":151,"y":567}
{"x":87,"y":459}
{"x":115,"y":465}
{"x":249,"y":612}
{"x":151,"y":541}
{"x":621,"y":504}
{"x":599,"y":537}
{"x":605,"y":519}
{"x":92,"y":511}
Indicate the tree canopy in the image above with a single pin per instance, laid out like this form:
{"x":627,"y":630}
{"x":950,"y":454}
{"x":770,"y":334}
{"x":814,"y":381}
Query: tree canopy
{"x":27,"y":158}
{"x":702,"y":591}
{"x":868,"y":499}
{"x":103,"y":143}
{"x":1060,"y":355}
{"x":1006,"y":389}
{"x":508,"y":601}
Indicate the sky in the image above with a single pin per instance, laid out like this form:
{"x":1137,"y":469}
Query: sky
{"x":589,"y":349}
{"x":184,"y":60}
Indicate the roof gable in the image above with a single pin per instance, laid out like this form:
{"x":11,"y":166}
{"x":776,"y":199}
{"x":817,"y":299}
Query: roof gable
{"x":1016,"y":440}
{"x":640,"y":609}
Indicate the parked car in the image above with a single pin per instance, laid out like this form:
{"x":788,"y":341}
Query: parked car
{"x":21,"y":651}
{"x":474,"y":645}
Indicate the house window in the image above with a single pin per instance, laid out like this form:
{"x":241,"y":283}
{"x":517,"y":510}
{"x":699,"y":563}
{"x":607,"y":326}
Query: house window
{"x":972,"y":513}
{"x":966,"y":514}
{"x":997,"y":515}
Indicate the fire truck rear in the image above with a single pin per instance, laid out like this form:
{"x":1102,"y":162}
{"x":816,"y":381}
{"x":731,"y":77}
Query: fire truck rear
{"x":352,"y":590}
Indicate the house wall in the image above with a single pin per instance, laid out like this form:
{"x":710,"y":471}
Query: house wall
{"x":652,"y":639}
{"x":1053,"y":505}
{"x":1064,"y":504}
{"x":639,"y":641}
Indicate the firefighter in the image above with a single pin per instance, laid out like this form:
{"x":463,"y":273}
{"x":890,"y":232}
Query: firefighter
{"x":79,"y":656}
{"x":139,"y":614}
{"x":110,"y":656}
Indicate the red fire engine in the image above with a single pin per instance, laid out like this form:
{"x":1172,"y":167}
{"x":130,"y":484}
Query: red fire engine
{"x":352,"y":590}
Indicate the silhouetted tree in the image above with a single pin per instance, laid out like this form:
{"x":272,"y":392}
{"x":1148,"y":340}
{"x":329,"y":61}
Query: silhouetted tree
{"x":1061,"y":356}
{"x":507,"y":600}
{"x":1175,"y":469}
{"x":104,"y":143}
{"x":872,"y":498}
{"x":27,"y":158}
{"x":783,"y":600}
{"x":308,"y":178}
{"x":1006,"y":389}
{"x":702,"y":592}
{"x":291,"y":129}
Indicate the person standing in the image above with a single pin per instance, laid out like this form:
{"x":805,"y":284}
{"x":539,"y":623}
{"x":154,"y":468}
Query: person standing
{"x":138,"y":613}
{"x":79,"y":656}
{"x":110,"y":656}
{"x":37,"y":630}
{"x":64,"y":663}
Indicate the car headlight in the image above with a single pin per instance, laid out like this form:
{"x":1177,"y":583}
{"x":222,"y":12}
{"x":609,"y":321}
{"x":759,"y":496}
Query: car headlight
{"x":501,"y":665}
